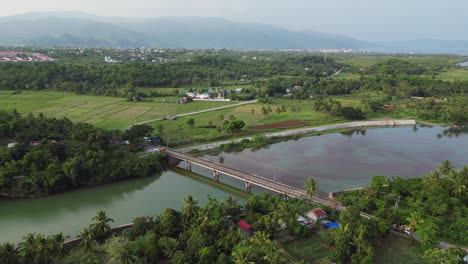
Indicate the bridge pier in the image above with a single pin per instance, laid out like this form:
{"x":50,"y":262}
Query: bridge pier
{"x":188,"y":165}
{"x":285,"y":196}
{"x":248,"y":186}
{"x":216,"y":175}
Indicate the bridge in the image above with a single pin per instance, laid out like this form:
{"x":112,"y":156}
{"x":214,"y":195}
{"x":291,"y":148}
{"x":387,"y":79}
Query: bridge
{"x":248,"y":179}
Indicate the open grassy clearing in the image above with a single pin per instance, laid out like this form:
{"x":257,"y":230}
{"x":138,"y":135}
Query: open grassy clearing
{"x":398,"y":250}
{"x":180,"y":133}
{"x":310,"y":250}
{"x":107,"y":112}
{"x":453,"y":75}
{"x":348,"y":76}
{"x":428,"y":61}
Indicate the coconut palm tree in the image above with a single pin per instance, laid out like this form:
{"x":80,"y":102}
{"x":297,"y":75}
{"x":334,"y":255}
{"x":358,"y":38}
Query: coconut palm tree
{"x":126,"y":257}
{"x":190,"y":208}
{"x":101,"y":227}
{"x":9,"y":254}
{"x":260,"y":238}
{"x":29,"y":248}
{"x":459,"y":183}
{"x":273,"y":254}
{"x":231,"y":206}
{"x":286,"y":213}
{"x":242,"y":256}
{"x":414,"y":220}
{"x":310,"y":186}
{"x":445,"y":168}
{"x":45,"y":247}
{"x":87,"y":239}
{"x":169,"y":246}
{"x":60,"y":249}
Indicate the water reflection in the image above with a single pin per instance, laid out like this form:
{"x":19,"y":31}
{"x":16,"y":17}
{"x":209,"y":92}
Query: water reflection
{"x":454,"y":131}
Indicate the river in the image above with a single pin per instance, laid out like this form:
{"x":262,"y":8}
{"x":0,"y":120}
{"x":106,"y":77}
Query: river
{"x":70,"y":212}
{"x":463,"y":64}
{"x":338,"y":161}
{"x":341,"y":161}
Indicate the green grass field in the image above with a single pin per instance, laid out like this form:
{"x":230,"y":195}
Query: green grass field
{"x":310,"y":250}
{"x":180,"y":133}
{"x":398,"y":250}
{"x":453,"y":75}
{"x":393,"y":250}
{"x":107,"y":112}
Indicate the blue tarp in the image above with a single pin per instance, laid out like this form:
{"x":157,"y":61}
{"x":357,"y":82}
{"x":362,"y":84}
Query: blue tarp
{"x":332,"y":225}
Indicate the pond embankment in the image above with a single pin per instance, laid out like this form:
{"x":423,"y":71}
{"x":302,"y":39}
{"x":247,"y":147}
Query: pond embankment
{"x":356,"y":124}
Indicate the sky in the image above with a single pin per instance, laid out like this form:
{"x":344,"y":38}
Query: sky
{"x":373,"y":20}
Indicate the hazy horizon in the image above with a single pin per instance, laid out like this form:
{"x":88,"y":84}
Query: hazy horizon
{"x":368,"y":20}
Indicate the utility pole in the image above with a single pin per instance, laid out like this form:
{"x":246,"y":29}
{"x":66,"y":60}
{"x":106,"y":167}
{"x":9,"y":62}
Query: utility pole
{"x":167,"y":142}
{"x":397,"y":201}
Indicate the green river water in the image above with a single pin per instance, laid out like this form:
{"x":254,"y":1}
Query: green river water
{"x":337,"y":161}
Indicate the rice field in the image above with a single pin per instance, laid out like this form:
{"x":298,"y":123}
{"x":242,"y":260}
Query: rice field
{"x":107,"y":112}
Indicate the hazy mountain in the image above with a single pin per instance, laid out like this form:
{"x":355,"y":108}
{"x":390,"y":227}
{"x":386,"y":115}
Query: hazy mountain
{"x":81,"y":29}
{"x":78,"y":29}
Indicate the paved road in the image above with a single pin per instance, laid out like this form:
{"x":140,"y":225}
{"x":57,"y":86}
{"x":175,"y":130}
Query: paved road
{"x":388,"y":122}
{"x":198,"y":112}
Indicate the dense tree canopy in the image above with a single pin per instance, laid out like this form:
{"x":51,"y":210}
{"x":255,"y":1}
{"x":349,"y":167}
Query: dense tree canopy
{"x":52,"y":155}
{"x":436,"y":205}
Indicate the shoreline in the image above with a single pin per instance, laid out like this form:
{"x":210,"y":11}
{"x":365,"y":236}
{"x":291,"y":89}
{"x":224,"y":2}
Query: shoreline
{"x":302,"y":131}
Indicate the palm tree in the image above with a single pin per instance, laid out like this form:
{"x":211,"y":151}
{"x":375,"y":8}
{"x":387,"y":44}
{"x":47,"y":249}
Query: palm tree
{"x":29,"y":248}
{"x":414,"y":220}
{"x":459,"y":184}
{"x":242,"y":256}
{"x":445,"y":168}
{"x":231,"y":206}
{"x":260,"y":238}
{"x":101,"y":227}
{"x":273,"y":254}
{"x":310,"y":186}
{"x":45,"y":247}
{"x":87,"y":239}
{"x":9,"y":254}
{"x":127,"y":258}
{"x":359,"y":240}
{"x":169,"y":246}
{"x":286,"y":213}
{"x":190,"y":208}
{"x":60,"y":249}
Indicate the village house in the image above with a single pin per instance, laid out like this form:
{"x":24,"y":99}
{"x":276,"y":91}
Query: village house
{"x":316,"y":214}
{"x":245,"y":226}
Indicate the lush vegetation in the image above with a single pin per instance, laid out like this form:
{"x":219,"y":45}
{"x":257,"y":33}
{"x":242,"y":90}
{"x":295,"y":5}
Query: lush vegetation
{"x":120,"y":79}
{"x":434,"y":206}
{"x":53,"y":155}
{"x":208,"y":234}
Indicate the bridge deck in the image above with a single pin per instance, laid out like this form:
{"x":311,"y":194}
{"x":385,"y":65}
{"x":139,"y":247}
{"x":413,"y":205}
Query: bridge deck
{"x":250,"y":178}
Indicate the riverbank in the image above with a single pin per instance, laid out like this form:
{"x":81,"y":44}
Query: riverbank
{"x":303,"y":131}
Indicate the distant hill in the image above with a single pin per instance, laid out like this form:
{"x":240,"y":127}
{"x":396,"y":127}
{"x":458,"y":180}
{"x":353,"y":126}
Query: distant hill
{"x":76,"y":29}
{"x":85,"y":30}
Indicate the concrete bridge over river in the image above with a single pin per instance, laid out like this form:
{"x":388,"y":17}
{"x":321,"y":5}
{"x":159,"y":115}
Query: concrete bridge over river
{"x":248,"y":179}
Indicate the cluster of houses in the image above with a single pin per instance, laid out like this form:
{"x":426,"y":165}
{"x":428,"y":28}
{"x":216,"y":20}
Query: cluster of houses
{"x":16,"y":56}
{"x":316,"y":215}
{"x":309,"y":220}
{"x":209,"y":95}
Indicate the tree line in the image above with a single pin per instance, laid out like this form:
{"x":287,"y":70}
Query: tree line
{"x":116,"y":79}
{"x":53,"y":155}
{"x":434,"y":206}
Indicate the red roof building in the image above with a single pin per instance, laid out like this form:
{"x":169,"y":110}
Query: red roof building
{"x":244,"y":225}
{"x":317,"y":214}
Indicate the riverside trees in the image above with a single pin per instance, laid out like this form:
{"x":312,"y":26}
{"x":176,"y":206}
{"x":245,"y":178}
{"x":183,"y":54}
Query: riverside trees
{"x":53,"y":155}
{"x":434,"y":206}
